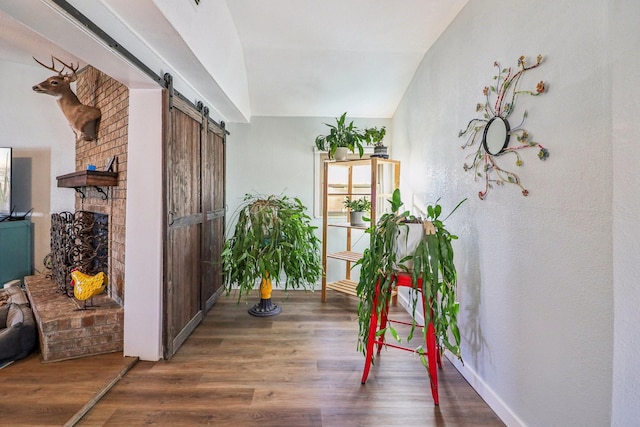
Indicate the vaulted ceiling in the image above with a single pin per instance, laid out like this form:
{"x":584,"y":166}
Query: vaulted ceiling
{"x":300,"y":57}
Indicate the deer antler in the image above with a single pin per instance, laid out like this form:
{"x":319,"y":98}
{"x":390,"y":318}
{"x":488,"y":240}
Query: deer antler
{"x":52,"y":67}
{"x":71,"y":67}
{"x":71,"y":76}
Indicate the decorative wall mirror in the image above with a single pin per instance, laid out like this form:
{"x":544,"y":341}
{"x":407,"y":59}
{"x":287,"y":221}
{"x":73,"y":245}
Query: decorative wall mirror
{"x":496,"y":131}
{"x":496,"y":136}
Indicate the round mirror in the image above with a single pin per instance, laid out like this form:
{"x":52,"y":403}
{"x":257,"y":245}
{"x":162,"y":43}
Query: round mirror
{"x":496,"y":136}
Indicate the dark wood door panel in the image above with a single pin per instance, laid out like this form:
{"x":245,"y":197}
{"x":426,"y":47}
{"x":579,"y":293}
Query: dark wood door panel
{"x":212,"y":268}
{"x":183,"y":164}
{"x":213,"y":205}
{"x":183,"y":247}
{"x":194,"y":156}
{"x":184,"y":280}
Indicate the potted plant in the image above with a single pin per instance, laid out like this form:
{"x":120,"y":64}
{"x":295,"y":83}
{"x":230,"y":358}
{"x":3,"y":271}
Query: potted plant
{"x":357,"y":209}
{"x":431,"y":259}
{"x":341,"y":139}
{"x":272,"y":236}
{"x":374,"y":136}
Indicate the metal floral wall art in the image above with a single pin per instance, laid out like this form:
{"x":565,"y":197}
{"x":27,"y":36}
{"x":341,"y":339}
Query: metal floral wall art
{"x":494,"y":131}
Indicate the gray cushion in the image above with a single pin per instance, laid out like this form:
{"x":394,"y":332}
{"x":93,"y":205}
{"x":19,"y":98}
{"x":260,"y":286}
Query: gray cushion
{"x":15,"y":316}
{"x":19,"y":336}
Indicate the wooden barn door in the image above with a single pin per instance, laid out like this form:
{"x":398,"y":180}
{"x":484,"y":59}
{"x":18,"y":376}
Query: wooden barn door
{"x":194,"y":234}
{"x":213,"y":206}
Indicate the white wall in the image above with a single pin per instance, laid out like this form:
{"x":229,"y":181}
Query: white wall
{"x":536,"y":274}
{"x":270,"y":156}
{"x":625,"y":103}
{"x":43,"y":148}
{"x":143,"y":248}
{"x":274,"y":155}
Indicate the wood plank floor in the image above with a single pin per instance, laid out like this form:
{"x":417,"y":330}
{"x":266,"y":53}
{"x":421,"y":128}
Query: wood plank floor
{"x":50,"y":394}
{"x":299,"y":368}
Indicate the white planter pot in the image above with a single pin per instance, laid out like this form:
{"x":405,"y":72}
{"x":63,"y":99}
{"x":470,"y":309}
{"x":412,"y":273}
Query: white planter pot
{"x":341,"y":153}
{"x":407,"y":242}
{"x":355,"y":218}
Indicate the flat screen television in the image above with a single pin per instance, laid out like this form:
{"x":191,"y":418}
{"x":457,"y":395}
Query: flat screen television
{"x":5,"y":182}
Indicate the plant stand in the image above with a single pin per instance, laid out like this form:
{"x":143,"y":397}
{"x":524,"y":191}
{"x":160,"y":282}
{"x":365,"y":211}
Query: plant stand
{"x":265,"y":307}
{"x":432,"y":350}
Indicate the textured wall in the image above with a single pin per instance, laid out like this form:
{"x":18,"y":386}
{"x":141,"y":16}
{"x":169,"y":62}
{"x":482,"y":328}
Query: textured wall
{"x":535,"y":273}
{"x":625,"y":101}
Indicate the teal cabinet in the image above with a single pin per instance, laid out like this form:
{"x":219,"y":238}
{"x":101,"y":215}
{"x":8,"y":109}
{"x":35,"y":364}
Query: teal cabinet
{"x":16,"y":250}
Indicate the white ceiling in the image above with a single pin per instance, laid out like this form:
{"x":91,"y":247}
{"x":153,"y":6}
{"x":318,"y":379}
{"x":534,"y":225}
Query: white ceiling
{"x":303,"y":57}
{"x":321,"y":58}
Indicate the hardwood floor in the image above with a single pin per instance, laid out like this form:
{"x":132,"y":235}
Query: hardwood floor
{"x":299,"y":368}
{"x":50,"y":394}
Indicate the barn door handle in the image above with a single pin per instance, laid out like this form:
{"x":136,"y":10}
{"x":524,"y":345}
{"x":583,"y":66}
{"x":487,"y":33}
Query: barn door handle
{"x":171,"y":213}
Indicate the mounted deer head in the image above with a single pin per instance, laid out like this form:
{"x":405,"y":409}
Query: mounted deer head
{"x":83,"y":119}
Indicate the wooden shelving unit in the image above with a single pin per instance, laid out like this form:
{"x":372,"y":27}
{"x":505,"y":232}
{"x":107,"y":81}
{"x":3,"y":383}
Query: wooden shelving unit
{"x":374,"y":178}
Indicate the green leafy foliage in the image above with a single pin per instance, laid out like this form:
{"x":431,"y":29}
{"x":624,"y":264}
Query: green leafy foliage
{"x":341,"y":135}
{"x":358,"y":205}
{"x":273,"y":237}
{"x":432,"y":262}
{"x":396,"y":201}
{"x":374,"y":136}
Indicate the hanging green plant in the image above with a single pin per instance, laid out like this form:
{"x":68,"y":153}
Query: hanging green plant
{"x":273,"y":239}
{"x":431,"y":261}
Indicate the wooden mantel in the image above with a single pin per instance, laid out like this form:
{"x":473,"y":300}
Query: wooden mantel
{"x":87,"y":178}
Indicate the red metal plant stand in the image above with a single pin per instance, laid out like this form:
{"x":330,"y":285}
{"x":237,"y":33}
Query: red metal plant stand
{"x":432,"y":351}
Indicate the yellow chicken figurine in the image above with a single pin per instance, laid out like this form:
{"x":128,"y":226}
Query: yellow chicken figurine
{"x":85,"y":286}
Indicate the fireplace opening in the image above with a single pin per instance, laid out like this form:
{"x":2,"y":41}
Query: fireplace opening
{"x":79,"y":240}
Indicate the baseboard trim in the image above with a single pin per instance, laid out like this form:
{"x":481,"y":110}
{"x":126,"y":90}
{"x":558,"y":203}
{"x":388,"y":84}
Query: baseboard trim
{"x":488,"y":395}
{"x":475,"y":381}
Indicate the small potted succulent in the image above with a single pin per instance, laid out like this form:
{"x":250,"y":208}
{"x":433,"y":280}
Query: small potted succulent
{"x":341,"y":139}
{"x":374,"y":136}
{"x":357,"y":210}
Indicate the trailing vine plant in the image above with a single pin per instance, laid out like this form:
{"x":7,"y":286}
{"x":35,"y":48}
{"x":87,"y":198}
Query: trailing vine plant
{"x":273,"y":236}
{"x":432,"y":262}
{"x":505,"y":91}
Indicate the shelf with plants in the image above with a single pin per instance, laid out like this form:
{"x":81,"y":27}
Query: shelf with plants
{"x":373,"y":179}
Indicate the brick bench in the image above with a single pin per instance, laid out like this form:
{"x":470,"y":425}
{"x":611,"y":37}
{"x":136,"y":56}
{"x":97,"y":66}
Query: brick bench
{"x":65,"y":331}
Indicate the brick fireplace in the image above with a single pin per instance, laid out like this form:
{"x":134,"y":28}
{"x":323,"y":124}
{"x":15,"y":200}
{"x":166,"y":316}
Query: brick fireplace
{"x":65,"y":330}
{"x":97,"y":89}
